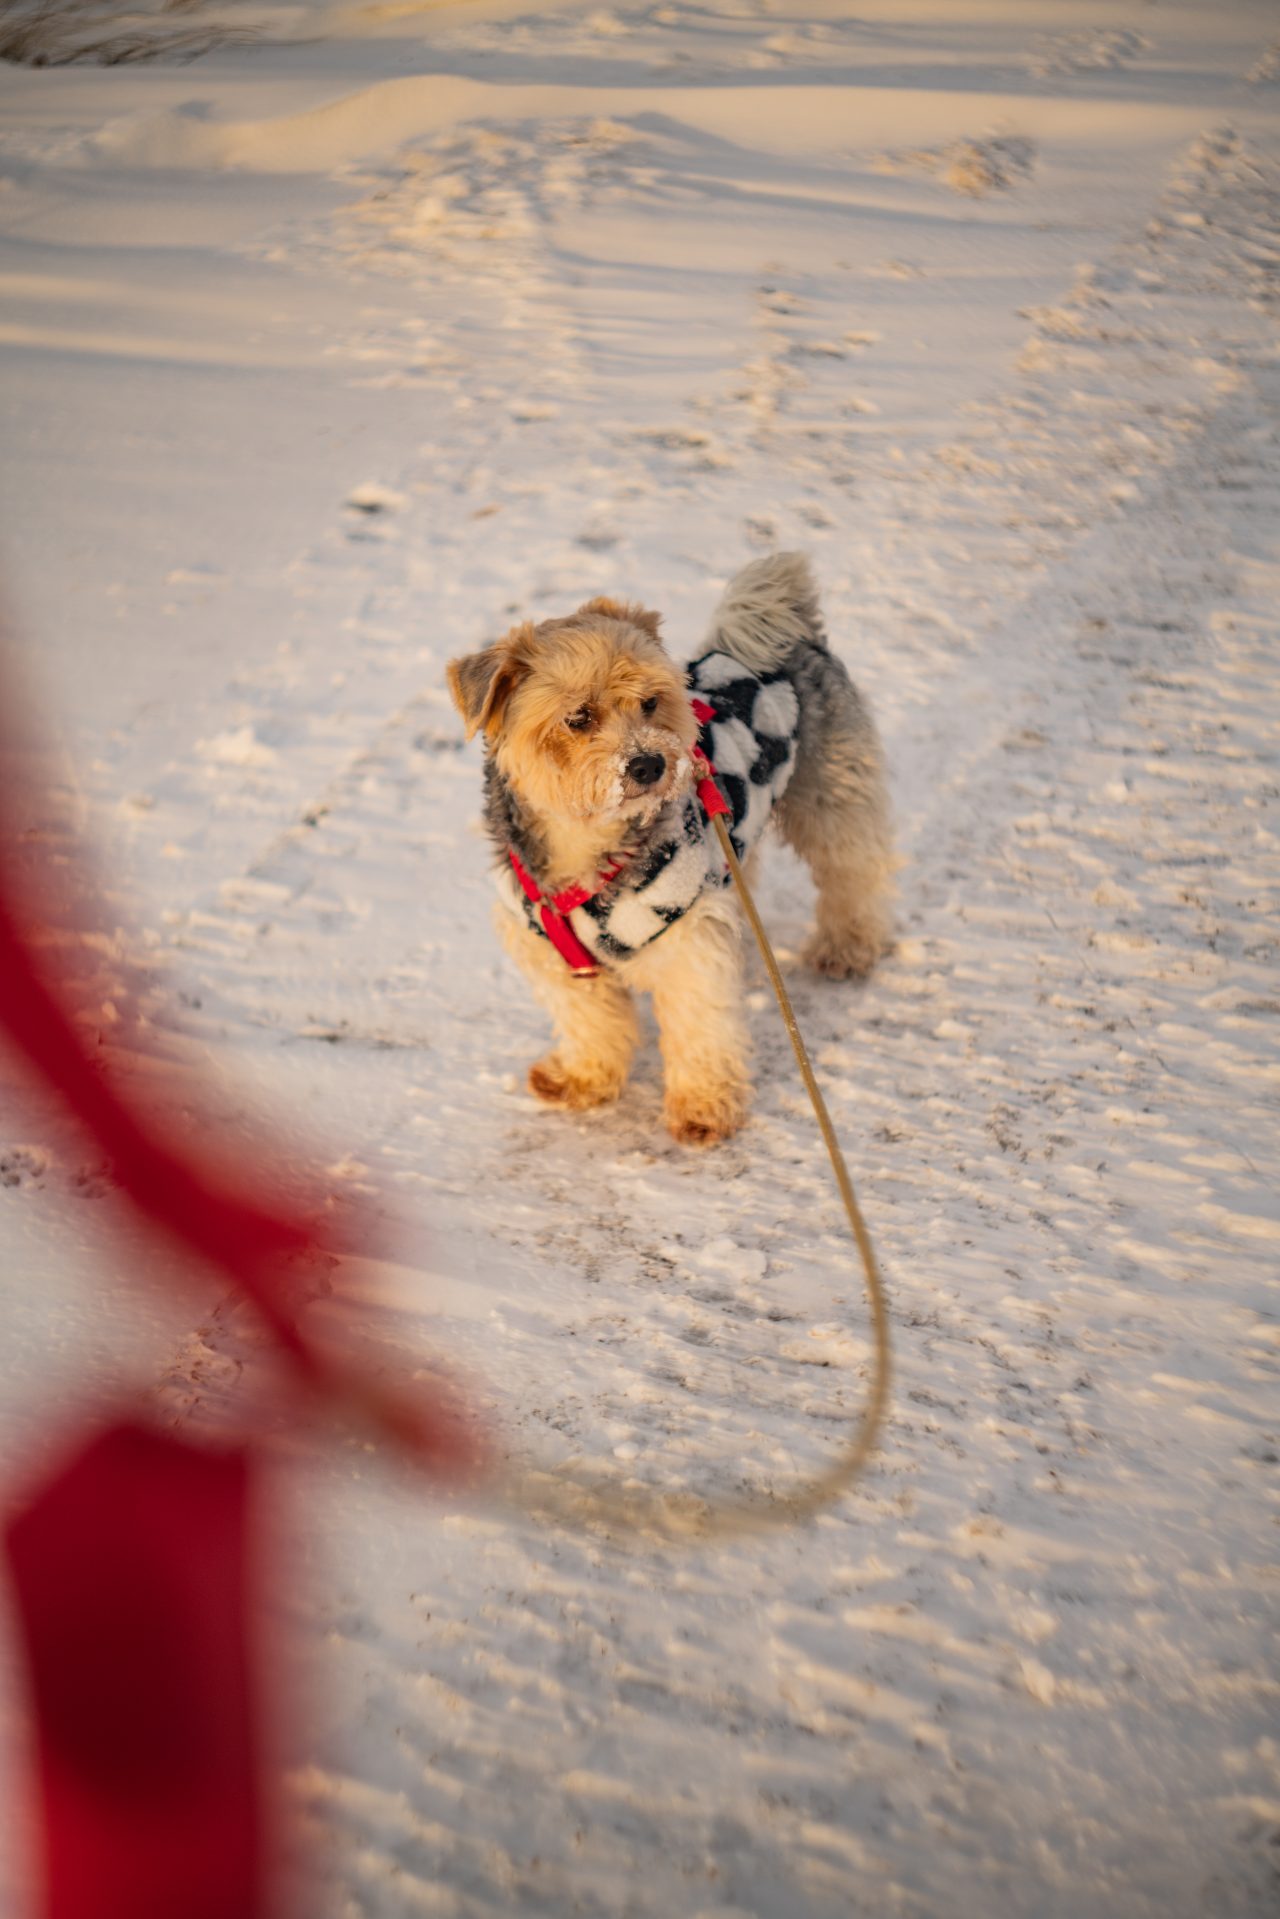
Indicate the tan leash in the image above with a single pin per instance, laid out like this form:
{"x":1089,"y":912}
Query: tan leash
{"x":566,"y":1493}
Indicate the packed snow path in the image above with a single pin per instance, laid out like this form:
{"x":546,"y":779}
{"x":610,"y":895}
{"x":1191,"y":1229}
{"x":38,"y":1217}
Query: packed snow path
{"x":1026,"y":1669}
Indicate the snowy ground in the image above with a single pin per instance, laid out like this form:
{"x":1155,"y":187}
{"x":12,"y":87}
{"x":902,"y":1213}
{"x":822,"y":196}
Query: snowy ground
{"x":329,"y":351}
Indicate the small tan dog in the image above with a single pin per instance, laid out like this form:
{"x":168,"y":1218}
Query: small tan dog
{"x":597,"y":802}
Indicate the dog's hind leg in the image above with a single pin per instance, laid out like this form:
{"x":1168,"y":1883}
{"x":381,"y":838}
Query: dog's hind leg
{"x":835,"y":813}
{"x":595,"y":1022}
{"x":855,"y":891}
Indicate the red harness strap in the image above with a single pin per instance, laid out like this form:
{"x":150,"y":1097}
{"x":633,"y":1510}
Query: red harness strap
{"x":551,"y":912}
{"x":710,"y":798}
{"x":553,"y":908}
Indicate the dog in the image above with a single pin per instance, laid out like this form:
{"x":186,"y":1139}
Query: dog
{"x":611,"y":880}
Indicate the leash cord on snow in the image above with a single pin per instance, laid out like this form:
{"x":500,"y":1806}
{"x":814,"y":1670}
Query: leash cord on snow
{"x":562,"y":1495}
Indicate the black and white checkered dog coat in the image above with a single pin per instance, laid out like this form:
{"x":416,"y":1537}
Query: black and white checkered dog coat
{"x":750,"y":740}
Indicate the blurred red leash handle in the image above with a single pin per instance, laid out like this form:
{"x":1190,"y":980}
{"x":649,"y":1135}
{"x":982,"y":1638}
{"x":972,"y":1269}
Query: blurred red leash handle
{"x":132,"y":1567}
{"x":134,"y":1573}
{"x":130,"y":1571}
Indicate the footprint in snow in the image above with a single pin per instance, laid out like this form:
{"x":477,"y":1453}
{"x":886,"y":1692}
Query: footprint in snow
{"x":370,"y":498}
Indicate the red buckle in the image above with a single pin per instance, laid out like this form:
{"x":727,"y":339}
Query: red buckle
{"x":566,"y":942}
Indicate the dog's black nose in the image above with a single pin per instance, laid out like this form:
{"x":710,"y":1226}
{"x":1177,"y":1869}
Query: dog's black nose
{"x":646,"y":768}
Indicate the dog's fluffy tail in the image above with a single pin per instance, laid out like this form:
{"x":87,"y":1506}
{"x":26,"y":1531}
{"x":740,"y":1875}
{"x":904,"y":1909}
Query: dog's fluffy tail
{"x":768,"y":609}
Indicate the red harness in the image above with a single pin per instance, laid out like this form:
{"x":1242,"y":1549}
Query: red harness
{"x":554,"y":908}
{"x":552,"y":911}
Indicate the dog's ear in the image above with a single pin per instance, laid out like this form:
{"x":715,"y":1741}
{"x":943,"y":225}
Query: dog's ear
{"x":482,"y":683}
{"x":620,"y":610}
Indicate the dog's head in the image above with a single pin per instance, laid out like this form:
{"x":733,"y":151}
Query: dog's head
{"x":586,"y":717}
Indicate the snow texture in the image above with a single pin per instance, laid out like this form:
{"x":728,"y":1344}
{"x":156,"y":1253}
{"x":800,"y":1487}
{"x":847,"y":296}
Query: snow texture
{"x":335,"y":339}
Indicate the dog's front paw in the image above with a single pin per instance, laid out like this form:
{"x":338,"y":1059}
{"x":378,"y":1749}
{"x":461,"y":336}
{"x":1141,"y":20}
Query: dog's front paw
{"x":552,"y":1080}
{"x":705,"y":1115}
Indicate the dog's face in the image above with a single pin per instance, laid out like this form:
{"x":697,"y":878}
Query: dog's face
{"x":586,"y":716}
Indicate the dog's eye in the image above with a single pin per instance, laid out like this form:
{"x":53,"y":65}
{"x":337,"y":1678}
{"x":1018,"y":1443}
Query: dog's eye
{"x":579,"y":722}
{"x":650,"y":705}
